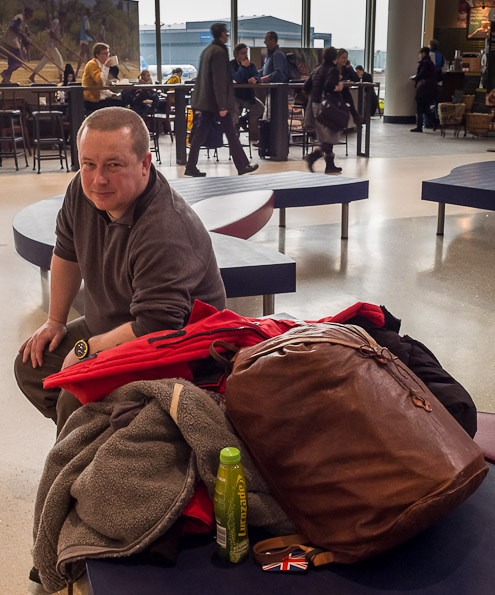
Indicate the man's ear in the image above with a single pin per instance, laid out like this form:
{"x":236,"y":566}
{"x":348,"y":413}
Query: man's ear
{"x":146,"y":163}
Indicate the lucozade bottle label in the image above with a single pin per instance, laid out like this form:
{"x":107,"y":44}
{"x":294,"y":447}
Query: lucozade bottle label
{"x":231,"y":507}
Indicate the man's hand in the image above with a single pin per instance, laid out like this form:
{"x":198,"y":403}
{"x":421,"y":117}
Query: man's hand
{"x":339,"y":86}
{"x":265,"y":79}
{"x":51,"y":333}
{"x":223,"y":112}
{"x":252,"y":80}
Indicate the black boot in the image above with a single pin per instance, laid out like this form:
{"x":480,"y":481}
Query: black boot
{"x":312,"y":158}
{"x":331,"y":168}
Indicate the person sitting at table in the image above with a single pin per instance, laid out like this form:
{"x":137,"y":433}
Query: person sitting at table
{"x":144,"y":78}
{"x":175,"y":79}
{"x":347,"y":73}
{"x":244,"y":71}
{"x":365,"y":77}
{"x":96,"y":74}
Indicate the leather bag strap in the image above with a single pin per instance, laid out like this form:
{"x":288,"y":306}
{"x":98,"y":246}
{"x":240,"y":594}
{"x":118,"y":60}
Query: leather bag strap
{"x":276,"y":549}
{"x":227,"y":363}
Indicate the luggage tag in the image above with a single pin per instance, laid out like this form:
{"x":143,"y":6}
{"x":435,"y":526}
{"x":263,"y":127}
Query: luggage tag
{"x":293,"y":562}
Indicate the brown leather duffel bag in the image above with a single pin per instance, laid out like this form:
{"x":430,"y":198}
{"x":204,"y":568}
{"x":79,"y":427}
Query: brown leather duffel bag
{"x":353,"y":446}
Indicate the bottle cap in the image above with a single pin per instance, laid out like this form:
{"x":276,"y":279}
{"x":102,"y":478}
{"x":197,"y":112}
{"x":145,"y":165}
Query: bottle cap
{"x":230,"y":455}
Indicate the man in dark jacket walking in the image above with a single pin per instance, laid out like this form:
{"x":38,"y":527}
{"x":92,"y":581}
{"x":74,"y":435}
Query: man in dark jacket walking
{"x":426,"y":90}
{"x":214,"y":98}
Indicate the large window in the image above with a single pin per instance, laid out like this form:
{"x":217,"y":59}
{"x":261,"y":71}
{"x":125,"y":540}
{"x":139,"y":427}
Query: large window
{"x":256,"y":17}
{"x":344,"y":21}
{"x":185,"y":31}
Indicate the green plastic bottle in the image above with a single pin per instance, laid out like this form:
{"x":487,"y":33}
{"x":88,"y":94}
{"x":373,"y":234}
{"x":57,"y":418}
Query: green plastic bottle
{"x":231,"y":507}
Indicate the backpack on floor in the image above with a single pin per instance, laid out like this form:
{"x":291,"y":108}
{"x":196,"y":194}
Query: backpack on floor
{"x":354,"y":447}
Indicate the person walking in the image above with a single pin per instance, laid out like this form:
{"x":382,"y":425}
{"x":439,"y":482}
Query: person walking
{"x":51,"y":53}
{"x":324,"y":79}
{"x":13,"y":41}
{"x":425,"y":81}
{"x":214,"y":99}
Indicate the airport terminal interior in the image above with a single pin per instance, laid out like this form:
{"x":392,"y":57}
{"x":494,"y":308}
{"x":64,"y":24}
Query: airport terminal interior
{"x":441,"y":287}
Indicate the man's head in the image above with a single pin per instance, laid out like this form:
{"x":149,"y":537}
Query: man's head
{"x":219,"y":32}
{"x":114,"y":156}
{"x":434,"y":44}
{"x":423,"y":52}
{"x":101,"y":51}
{"x":359,"y":70}
{"x":240,"y":52}
{"x":271,"y":40}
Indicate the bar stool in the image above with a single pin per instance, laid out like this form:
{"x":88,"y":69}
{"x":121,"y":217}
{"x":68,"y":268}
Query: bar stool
{"x":153,"y":128}
{"x":9,"y":136}
{"x":51,"y":124}
{"x":48,"y":127}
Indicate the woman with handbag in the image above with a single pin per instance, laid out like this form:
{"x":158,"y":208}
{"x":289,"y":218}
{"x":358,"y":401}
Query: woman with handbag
{"x":324,"y":89}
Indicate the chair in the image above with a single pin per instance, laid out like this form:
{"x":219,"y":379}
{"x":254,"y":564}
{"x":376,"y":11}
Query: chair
{"x":297,"y":129}
{"x":153,"y":126}
{"x":48,"y":129}
{"x":11,"y":129}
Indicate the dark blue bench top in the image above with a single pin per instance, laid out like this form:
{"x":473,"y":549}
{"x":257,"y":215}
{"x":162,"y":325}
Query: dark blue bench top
{"x":453,"y":557}
{"x":470,"y":185}
{"x":291,"y":188}
{"x":247,"y":269}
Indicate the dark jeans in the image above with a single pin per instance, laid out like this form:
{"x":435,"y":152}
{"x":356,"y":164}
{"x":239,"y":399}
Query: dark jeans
{"x":201,"y":130}
{"x":55,"y":403}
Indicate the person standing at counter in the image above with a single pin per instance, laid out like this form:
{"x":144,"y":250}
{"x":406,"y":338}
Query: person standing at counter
{"x":275,"y":68}
{"x":214,"y":99}
{"x":347,"y":73}
{"x":243,"y":72}
{"x":425,"y":81}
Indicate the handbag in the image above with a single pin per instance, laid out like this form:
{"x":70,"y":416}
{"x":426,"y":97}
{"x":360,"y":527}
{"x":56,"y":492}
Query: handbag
{"x":353,"y":446}
{"x":333,"y":113}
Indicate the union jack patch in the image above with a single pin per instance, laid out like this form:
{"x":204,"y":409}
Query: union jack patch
{"x":294,"y":562}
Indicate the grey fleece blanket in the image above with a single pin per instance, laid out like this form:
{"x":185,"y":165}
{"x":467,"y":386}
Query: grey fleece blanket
{"x":108,"y":492}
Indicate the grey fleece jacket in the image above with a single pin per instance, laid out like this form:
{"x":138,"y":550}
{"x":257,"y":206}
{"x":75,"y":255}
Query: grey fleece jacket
{"x":110,"y":491}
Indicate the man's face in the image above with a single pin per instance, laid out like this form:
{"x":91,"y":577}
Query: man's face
{"x":103,"y":56}
{"x":359,"y":72}
{"x":269,"y":42}
{"x":224,"y":36}
{"x":241,"y":55}
{"x":112,"y":175}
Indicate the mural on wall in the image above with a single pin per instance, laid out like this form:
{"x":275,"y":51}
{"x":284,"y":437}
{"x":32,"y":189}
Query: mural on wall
{"x":479,"y":17}
{"x":40,"y":38}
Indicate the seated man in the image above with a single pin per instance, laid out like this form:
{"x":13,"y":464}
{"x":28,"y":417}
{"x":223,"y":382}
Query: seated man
{"x":96,"y":74}
{"x":365,"y":77}
{"x":142,"y":252}
{"x":244,"y":71}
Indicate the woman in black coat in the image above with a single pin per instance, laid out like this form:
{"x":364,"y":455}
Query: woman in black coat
{"x":324,"y":79}
{"x":426,"y":90}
